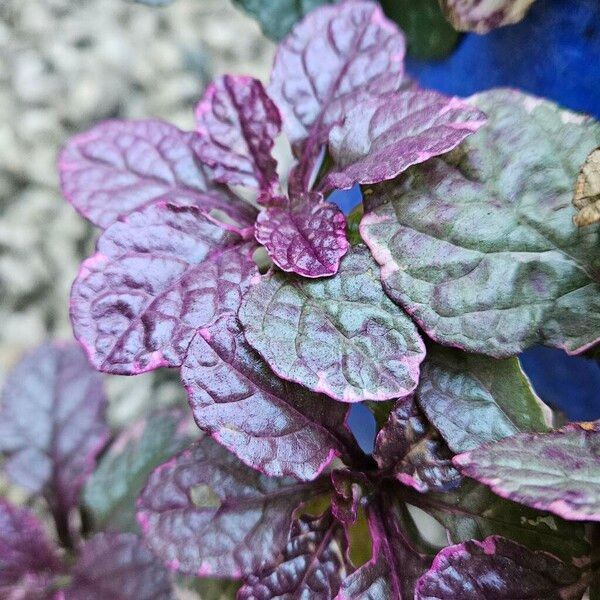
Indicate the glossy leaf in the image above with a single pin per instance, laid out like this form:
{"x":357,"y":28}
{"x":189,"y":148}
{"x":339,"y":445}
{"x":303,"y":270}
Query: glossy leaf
{"x":206,"y":513}
{"x":412,"y":451}
{"x":120,"y":567}
{"x":480,"y":249}
{"x":497,"y":568}
{"x":238,"y":124}
{"x":306,"y":236}
{"x":472,"y":399}
{"x":274,"y":426}
{"x":397,"y":561}
{"x":333,"y":59}
{"x":557,"y":471}
{"x":28,"y":559}
{"x":276,"y":17}
{"x":339,"y":336}
{"x":311,"y":566}
{"x":156,"y":277}
{"x":586,"y":195}
{"x":483,"y":15}
{"x":120,"y":166}
{"x":381,"y":137}
{"x":112,"y":490}
{"x":52,"y":423}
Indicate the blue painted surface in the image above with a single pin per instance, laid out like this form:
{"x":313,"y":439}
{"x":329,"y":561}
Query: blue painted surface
{"x":362,"y":424}
{"x":346,"y":199}
{"x":569,"y":383}
{"x":554,"y":52}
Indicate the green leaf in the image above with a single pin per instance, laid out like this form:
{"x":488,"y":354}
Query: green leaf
{"x":428,"y":33}
{"x":340,"y":335}
{"x":112,"y":491}
{"x":209,"y":588}
{"x":557,"y":471}
{"x":473,"y":512}
{"x":472,"y":399}
{"x":276,"y":17}
{"x":480,"y":248}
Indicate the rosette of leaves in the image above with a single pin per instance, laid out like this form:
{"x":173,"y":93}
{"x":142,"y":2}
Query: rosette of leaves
{"x":466,"y":254}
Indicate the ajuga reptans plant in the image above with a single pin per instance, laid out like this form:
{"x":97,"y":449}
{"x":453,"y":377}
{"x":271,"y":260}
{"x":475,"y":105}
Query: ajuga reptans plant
{"x":462,"y":254}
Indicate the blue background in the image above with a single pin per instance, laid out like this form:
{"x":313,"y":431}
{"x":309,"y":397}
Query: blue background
{"x":555,"y":53}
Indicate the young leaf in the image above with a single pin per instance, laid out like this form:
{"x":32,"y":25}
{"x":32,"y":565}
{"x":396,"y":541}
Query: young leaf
{"x":112,"y":490}
{"x":472,"y":399}
{"x":119,"y":166}
{"x":397,"y":562}
{"x":497,"y":568}
{"x":312,"y":565}
{"x":480,"y":248}
{"x":238,"y":124}
{"x":483,"y":15}
{"x":409,"y":448}
{"x":119,"y":566}
{"x":347,"y":492}
{"x":340,"y":336}
{"x":307,"y":236}
{"x":157,"y":276}
{"x":206,"y":513}
{"x":52,"y":423}
{"x":28,"y":559}
{"x":381,"y":137}
{"x":333,"y":59}
{"x":276,"y":17}
{"x":557,"y":471}
{"x":274,"y":426}
{"x":586,"y":196}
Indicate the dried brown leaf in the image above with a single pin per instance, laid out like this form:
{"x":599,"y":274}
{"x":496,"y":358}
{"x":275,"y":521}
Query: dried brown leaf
{"x":586,"y":195}
{"x":481,"y":16}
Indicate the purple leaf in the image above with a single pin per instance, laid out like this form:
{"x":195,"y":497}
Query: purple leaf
{"x":497,"y":569}
{"x":156,"y":277}
{"x":120,"y":567}
{"x":238,"y":124}
{"x":557,"y":471}
{"x":52,"y":423}
{"x":119,"y":166}
{"x":382,"y":137}
{"x":112,"y":490}
{"x":28,"y":559}
{"x":206,"y":513}
{"x":397,"y":561}
{"x":333,"y":59}
{"x":340,"y":336}
{"x":274,"y":426}
{"x":308,"y":236}
{"x":480,"y":248}
{"x":311,"y":566}
{"x":483,"y":15}
{"x":347,"y":492}
{"x":409,"y":448}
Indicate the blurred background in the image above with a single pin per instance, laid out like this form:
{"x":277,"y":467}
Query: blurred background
{"x":65,"y":64}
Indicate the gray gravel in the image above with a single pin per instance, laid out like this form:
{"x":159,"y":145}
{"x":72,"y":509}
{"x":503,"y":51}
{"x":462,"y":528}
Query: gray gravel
{"x":65,"y":64}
